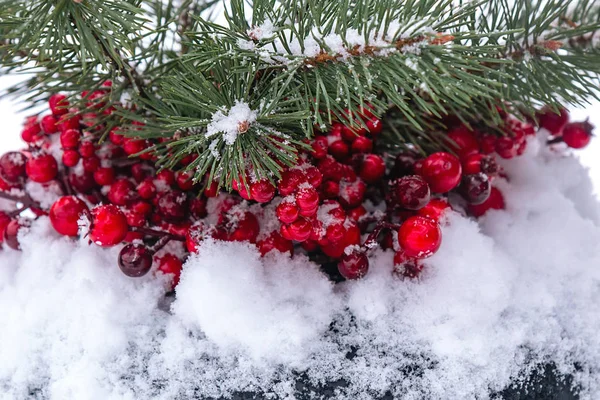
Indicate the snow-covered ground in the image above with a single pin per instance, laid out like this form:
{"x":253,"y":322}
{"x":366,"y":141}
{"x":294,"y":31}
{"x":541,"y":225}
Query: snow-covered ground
{"x":520,"y":286}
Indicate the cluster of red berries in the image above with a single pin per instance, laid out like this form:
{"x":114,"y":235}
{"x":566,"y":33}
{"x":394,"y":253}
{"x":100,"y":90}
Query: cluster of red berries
{"x":339,"y":203}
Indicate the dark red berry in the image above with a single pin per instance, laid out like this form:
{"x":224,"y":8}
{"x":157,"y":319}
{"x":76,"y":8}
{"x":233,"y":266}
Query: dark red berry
{"x":419,"y":237}
{"x":109,"y":225}
{"x":494,"y":202}
{"x":135,"y":260}
{"x":274,"y":241}
{"x":65,"y":214}
{"x":81,"y":181}
{"x":198,"y":207}
{"x":146,"y":189}
{"x":246,"y":228}
{"x":11,"y":233}
{"x":290,"y":180}
{"x":552,"y":121}
{"x":172,"y":205}
{"x":41,"y":168}
{"x":577,"y":135}
{"x":442,"y":171}
{"x":410,"y":192}
{"x":87,"y":149}
{"x":354,"y":265}
{"x":362,"y":145}
{"x":339,"y":149}
{"x":319,"y":147}
{"x":464,"y":141}
{"x":184,"y":180}
{"x":104,"y":176}
{"x":91,"y":164}
{"x":12,"y":166}
{"x":435,"y":209}
{"x":374,"y":126}
{"x":406,"y":266}
{"x":121,"y":192}
{"x":506,"y":147}
{"x":287,"y":212}
{"x":476,"y":188}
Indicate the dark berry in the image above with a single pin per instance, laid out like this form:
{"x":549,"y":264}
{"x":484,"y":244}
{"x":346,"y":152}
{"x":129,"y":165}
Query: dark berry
{"x":135,"y":260}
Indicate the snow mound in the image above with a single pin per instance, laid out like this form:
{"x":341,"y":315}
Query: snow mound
{"x":520,"y":287}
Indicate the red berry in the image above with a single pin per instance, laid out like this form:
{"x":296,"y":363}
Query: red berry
{"x":172,"y":205}
{"x":135,"y":219}
{"x":374,"y":126}
{"x":141,"y":207}
{"x":495,"y":201}
{"x":12,"y":166}
{"x":442,"y":171}
{"x":350,"y":133}
{"x":287,"y":212}
{"x":299,"y":230}
{"x":354,"y":265}
{"x":352,"y":194}
{"x":121,"y":192}
{"x":262,"y":191}
{"x":319,"y":147}
{"x":42,"y":168}
{"x":330,"y":190}
{"x":91,"y":164}
{"x":135,"y":260}
{"x":70,"y":158}
{"x":307,"y":197}
{"x":372,"y":168}
{"x":274,"y":241}
{"x":11,"y":233}
{"x":198,"y":207}
{"x":194,"y":236}
{"x":65,"y":214}
{"x":146,"y":189}
{"x":212,"y":190}
{"x":406,"y":266}
{"x":69,"y":122}
{"x":410,"y":192}
{"x":184,"y":180}
{"x":170,"y":264}
{"x":69,"y":139}
{"x":487,"y":144}
{"x":243,"y":188}
{"x":167,"y":176}
{"x":314,"y":176}
{"x":87,"y":149}
{"x":339,"y":149}
{"x":419,"y":237}
{"x":577,"y":135}
{"x":506,"y":147}
{"x":48,"y":124}
{"x":290,"y":180}
{"x":476,"y":188}
{"x":109,"y":225}
{"x":362,"y":145}
{"x":81,"y":181}
{"x":141,"y":171}
{"x":464,"y":141}
{"x":104,"y":176}
{"x":115,"y":137}
{"x":134,"y":146}
{"x":246,"y":229}
{"x":357,"y":213}
{"x":31,"y":133}
{"x":552,"y":121}
{"x":58,"y":104}
{"x":4,"y":221}
{"x":435,"y":209}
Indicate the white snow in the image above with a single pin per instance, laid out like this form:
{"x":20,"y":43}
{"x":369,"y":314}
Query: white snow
{"x":522,"y":286}
{"x":229,"y":122}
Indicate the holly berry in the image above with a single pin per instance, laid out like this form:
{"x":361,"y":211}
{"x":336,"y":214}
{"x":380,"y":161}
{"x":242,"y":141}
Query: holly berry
{"x":69,"y":139}
{"x":290,"y":180}
{"x":104,"y":176}
{"x":262,"y":191}
{"x":442,"y":171}
{"x":362,"y":145}
{"x":476,"y":188}
{"x":354,"y":265}
{"x":172,"y":205}
{"x":121,"y":192}
{"x":109,"y":225}
{"x":577,"y":135}
{"x":170,"y":264}
{"x":494,"y":202}
{"x":11,"y":233}
{"x":299,"y":230}
{"x":406,"y":266}
{"x":419,"y":237}
{"x":464,"y":141}
{"x":70,"y":158}
{"x":435,"y":209}
{"x":506,"y":147}
{"x":4,"y":221}
{"x":246,"y":229}
{"x":410,"y":192}
{"x":307,"y":198}
{"x":274,"y":241}
{"x":65,"y":214}
{"x":287,"y":212}
{"x":58,"y":104}
{"x":49,"y":124}
{"x":552,"y":121}
{"x":372,"y":168}
{"x":12,"y":166}
{"x":135,"y":260}
{"x":41,"y":168}
{"x":339,"y":149}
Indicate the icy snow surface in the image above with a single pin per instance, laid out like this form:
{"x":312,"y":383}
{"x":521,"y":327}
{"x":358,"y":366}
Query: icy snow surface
{"x":522,"y":286}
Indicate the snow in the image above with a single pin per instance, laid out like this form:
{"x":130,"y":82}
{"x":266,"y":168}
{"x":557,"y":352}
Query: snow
{"x":231,"y":122}
{"x":520,"y":286}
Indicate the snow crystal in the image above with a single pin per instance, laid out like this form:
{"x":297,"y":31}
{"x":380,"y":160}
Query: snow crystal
{"x":230,"y":122}
{"x":517,"y":288}
{"x":262,"y":31}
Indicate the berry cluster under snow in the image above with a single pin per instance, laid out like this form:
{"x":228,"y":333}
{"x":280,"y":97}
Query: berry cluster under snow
{"x":517,"y":288}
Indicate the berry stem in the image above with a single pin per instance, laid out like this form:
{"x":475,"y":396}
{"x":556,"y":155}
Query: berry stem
{"x":371,"y":241}
{"x":556,"y":140}
{"x":161,"y":243}
{"x":26,"y":200}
